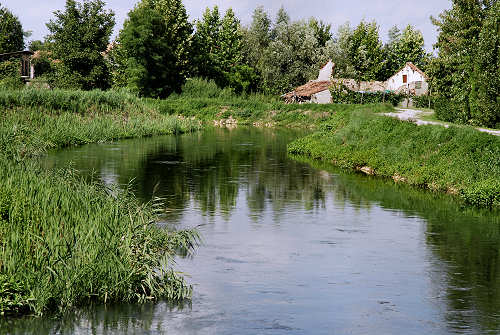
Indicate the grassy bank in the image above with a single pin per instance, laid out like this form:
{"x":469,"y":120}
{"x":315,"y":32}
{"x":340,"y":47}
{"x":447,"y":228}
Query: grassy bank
{"x":64,"y":241}
{"x":205,"y":101}
{"x":460,"y":161}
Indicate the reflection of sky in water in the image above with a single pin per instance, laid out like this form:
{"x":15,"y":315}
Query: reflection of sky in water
{"x":290,"y":249}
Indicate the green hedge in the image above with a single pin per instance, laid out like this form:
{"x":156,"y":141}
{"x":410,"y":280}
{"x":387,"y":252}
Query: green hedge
{"x":341,"y":94}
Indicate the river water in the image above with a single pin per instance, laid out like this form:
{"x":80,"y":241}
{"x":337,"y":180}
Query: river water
{"x":292,"y":246}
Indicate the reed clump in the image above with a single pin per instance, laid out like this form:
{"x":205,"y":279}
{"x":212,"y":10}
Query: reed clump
{"x":65,"y":241}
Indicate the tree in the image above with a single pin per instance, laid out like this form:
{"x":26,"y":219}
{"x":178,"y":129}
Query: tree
{"x":365,"y":51}
{"x":207,"y":45}
{"x":151,"y":55}
{"x":257,"y":37}
{"x":292,"y":57}
{"x":485,"y":81}
{"x":452,"y":71}
{"x":78,"y":37}
{"x":11,"y":32}
{"x":179,"y":35}
{"x":218,"y":51}
{"x":403,"y":47}
{"x":321,"y":31}
{"x":338,"y":50}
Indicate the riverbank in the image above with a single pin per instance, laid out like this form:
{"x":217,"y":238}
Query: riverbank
{"x":65,"y":241}
{"x":457,"y":160}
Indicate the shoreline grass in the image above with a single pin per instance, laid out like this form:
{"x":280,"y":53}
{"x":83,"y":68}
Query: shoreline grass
{"x":65,"y":241}
{"x":461,"y":161}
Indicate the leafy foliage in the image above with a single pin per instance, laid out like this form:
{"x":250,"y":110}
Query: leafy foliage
{"x":365,"y":50}
{"x":150,"y":57}
{"x":341,"y":94}
{"x":466,"y":58}
{"x":11,"y":32}
{"x":81,"y":63}
{"x":9,"y":74}
{"x":485,"y":86}
{"x":403,"y":47}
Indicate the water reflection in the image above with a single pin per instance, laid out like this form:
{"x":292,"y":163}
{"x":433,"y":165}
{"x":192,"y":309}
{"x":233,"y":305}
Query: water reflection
{"x":294,"y":246}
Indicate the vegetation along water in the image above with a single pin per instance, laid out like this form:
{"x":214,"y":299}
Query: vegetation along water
{"x":69,"y":239}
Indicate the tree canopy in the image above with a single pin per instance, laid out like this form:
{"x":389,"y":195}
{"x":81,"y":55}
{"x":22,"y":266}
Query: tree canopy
{"x":11,"y":32}
{"x":152,"y":52}
{"x":78,"y":37}
{"x":467,"y":44}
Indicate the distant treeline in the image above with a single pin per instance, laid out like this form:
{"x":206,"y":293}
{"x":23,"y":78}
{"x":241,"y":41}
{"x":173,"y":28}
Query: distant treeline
{"x":158,"y":48}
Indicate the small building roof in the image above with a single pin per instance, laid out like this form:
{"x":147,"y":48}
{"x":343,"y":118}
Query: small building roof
{"x":309,"y":89}
{"x":15,"y":53}
{"x":413,"y":67}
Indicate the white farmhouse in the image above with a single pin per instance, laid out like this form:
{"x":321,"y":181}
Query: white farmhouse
{"x":410,"y":79}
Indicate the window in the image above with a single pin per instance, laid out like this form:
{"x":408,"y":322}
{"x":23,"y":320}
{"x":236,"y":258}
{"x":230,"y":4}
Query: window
{"x":405,"y":78}
{"x":25,"y":67}
{"x":418,"y":85}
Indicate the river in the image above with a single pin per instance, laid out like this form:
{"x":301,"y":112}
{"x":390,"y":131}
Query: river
{"x":292,"y":246}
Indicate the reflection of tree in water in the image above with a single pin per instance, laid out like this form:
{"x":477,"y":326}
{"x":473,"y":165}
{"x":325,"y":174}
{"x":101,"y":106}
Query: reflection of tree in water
{"x":112,"y":319}
{"x":214,"y":169}
{"x":466,"y":240}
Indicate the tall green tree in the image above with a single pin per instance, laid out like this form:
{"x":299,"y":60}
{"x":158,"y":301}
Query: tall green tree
{"x":152,"y":52}
{"x":402,"y":47}
{"x":322,"y":31}
{"x":257,"y":37}
{"x":338,"y":51}
{"x":207,"y":45}
{"x":452,"y":71}
{"x":485,"y":82}
{"x":292,"y":58}
{"x":366,"y":54}
{"x":11,"y":32}
{"x":78,"y":37}
{"x":218,"y":49}
{"x":179,"y":32}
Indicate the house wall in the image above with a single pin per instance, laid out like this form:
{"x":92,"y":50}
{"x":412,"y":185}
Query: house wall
{"x":323,"y":97}
{"x":326,"y":72}
{"x":396,"y":81}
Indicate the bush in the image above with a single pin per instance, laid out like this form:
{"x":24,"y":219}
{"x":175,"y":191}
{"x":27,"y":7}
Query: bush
{"x":422,"y":101}
{"x":9,"y":74}
{"x":341,"y":94}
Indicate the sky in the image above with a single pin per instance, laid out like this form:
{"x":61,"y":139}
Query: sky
{"x":33,"y":14}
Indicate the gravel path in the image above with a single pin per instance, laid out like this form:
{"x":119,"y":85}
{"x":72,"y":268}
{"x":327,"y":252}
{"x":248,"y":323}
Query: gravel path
{"x":412,"y":115}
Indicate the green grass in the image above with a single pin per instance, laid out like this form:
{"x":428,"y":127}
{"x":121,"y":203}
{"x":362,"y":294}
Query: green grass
{"x":204,"y":101}
{"x":65,"y":241}
{"x":457,"y":160}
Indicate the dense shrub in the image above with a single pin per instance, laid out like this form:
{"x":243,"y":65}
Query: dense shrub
{"x":341,"y":94}
{"x":9,"y":74}
{"x":422,"y":101}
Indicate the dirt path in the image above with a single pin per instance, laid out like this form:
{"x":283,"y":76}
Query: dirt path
{"x":412,"y":115}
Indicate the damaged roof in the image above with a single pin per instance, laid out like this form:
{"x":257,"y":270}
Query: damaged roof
{"x":309,"y":89}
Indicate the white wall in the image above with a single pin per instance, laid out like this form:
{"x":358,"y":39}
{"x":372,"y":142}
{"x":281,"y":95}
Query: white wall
{"x":326,"y":72}
{"x":323,"y":97}
{"x":396,"y":81}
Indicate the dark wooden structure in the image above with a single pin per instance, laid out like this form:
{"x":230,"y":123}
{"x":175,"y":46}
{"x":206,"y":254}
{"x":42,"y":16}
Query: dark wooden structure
{"x":26,"y":69}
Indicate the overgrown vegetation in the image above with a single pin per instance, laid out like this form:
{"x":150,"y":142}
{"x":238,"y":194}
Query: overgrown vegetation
{"x":65,"y":241}
{"x":465,"y":75}
{"x":341,"y":94}
{"x":457,"y":160}
{"x":205,"y":101}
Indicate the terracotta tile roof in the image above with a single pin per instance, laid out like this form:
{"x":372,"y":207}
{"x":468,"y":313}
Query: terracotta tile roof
{"x":309,"y":89}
